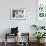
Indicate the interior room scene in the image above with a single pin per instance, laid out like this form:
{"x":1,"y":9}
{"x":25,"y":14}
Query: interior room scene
{"x":22,"y":22}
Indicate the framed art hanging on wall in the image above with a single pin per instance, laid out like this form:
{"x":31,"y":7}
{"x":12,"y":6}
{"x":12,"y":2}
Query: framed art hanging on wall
{"x":41,"y":8}
{"x":17,"y":13}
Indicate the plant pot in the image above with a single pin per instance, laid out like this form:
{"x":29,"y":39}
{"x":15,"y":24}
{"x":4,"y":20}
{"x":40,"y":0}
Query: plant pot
{"x":40,"y":41}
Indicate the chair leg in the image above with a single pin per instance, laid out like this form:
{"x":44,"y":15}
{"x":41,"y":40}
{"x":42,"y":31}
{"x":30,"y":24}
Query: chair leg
{"x":5,"y":40}
{"x":5,"y":43}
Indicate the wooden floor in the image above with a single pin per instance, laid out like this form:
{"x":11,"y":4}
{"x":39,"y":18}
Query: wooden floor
{"x":13,"y":44}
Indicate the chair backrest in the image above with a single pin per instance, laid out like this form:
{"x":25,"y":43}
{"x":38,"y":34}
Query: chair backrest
{"x":14,"y":30}
{"x":24,"y":37}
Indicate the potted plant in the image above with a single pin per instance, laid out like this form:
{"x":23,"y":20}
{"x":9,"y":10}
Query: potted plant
{"x":35,"y":26}
{"x":42,"y":27}
{"x":39,"y":35}
{"x":38,"y":27}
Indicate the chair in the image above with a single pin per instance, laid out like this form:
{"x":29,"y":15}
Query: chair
{"x":26,"y":41}
{"x":14,"y":32}
{"x":7,"y":34}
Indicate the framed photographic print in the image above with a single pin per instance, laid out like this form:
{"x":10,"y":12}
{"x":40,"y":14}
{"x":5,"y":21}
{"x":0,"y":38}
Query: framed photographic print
{"x":41,"y":8}
{"x":17,"y":13}
{"x":41,"y":12}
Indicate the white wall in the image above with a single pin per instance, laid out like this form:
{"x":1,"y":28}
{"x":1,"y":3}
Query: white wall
{"x":24,"y":25}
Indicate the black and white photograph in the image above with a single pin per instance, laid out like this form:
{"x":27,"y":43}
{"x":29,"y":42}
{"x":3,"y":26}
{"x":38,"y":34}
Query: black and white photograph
{"x":17,"y":14}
